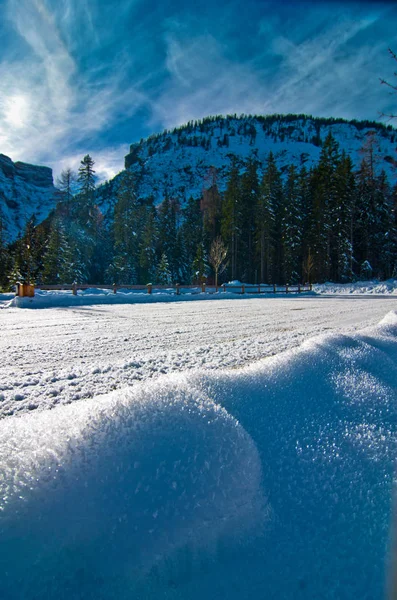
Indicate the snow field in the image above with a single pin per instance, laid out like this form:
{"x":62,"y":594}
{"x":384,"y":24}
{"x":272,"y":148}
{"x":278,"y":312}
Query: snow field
{"x":60,"y":355}
{"x":157,"y":491}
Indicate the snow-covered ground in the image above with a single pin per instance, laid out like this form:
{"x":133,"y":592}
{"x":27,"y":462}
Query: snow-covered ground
{"x":207,"y":472}
{"x":58,"y":355}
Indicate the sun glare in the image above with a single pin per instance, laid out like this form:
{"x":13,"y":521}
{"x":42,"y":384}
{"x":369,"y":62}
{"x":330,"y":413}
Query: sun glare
{"x":16,"y":110}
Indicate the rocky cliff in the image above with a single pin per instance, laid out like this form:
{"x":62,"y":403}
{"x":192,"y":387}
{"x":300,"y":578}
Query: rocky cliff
{"x":25,"y":190}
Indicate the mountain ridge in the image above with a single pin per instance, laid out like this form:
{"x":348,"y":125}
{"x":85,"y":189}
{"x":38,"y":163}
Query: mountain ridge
{"x":176,"y":162}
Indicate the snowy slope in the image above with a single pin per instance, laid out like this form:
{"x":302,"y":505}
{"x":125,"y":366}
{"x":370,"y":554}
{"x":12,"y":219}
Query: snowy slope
{"x":177,"y":163}
{"x":273,"y":481}
{"x":25,"y":190}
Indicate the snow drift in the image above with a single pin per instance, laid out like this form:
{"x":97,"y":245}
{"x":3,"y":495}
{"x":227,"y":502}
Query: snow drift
{"x":158,"y":491}
{"x":115,"y":486}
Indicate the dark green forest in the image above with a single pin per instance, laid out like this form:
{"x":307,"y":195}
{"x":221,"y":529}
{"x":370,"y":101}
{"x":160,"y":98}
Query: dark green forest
{"x":333,"y":222}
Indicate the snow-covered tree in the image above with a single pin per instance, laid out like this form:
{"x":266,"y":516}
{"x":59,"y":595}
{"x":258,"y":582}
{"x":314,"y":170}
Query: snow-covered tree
{"x":163,"y":271}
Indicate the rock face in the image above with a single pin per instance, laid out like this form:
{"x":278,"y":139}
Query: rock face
{"x":177,"y":163}
{"x":25,"y":190}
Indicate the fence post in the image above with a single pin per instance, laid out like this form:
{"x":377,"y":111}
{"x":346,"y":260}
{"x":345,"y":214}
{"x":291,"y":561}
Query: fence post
{"x":274,"y":287}
{"x":224,"y":287}
{"x":310,"y":287}
{"x":177,"y":289}
{"x":286,"y":288}
{"x":259,"y":288}
{"x":299,"y":288}
{"x":74,"y":288}
{"x":203,"y":287}
{"x":114,"y":288}
{"x":149,"y":288}
{"x":243,"y":289}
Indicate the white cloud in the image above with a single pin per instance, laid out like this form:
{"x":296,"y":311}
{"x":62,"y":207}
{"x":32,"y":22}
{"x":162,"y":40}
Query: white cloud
{"x":47,"y":106}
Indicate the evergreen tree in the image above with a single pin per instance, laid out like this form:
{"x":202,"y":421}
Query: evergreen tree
{"x":200,"y":266}
{"x":5,"y":259}
{"x":324,"y":194}
{"x":232,"y":219}
{"x":163,"y":276}
{"x":210,"y":206}
{"x":167,"y":228}
{"x":292,"y":228}
{"x":27,"y":254}
{"x":127,"y":229}
{"x":57,"y":267}
{"x":86,"y":176}
{"x":190,"y":236}
{"x":269,"y":201}
{"x":341,"y":215}
{"x":249,"y":202}
{"x":148,"y":245}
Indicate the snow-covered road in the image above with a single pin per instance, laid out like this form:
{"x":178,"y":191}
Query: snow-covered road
{"x":58,"y":355}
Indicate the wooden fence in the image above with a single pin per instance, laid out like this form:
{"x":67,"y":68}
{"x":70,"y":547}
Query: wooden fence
{"x":24,"y":289}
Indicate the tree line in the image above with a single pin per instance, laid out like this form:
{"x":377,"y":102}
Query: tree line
{"x":330,"y":222}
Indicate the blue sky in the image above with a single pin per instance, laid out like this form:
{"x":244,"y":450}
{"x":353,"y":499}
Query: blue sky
{"x":79,"y":76}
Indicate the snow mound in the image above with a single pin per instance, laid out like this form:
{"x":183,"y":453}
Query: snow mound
{"x":112,"y":488}
{"x":118,"y":496}
{"x":359,"y":287}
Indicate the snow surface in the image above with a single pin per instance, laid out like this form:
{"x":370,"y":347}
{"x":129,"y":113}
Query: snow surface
{"x":269,"y":481}
{"x":362,"y":287}
{"x":62,"y":354}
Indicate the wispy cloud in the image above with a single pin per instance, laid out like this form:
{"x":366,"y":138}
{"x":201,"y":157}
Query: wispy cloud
{"x":48,"y":105}
{"x":322,"y":74}
{"x":90,"y":76}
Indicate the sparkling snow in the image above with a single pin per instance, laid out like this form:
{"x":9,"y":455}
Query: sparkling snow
{"x":59,"y":355}
{"x":194,"y":478}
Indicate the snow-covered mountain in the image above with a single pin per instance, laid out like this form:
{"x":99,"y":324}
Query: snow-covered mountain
{"x":25,"y":190}
{"x":177,"y":163}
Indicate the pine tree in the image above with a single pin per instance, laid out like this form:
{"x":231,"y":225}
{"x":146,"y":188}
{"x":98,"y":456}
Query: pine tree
{"x":324,"y":193}
{"x":58,"y":260}
{"x":249,"y":202}
{"x":231,"y":219}
{"x":5,"y":259}
{"x":269,"y":201}
{"x":127,"y":229}
{"x":148,"y":245}
{"x":190,"y":236}
{"x":341,"y":215}
{"x":199,"y":266}
{"x":163,"y":276}
{"x":86,"y":176}
{"x":210,"y":206}
{"x":167,"y":228}
{"x":292,"y":228}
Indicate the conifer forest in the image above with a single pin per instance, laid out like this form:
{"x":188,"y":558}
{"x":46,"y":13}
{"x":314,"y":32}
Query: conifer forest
{"x":330,"y":222}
